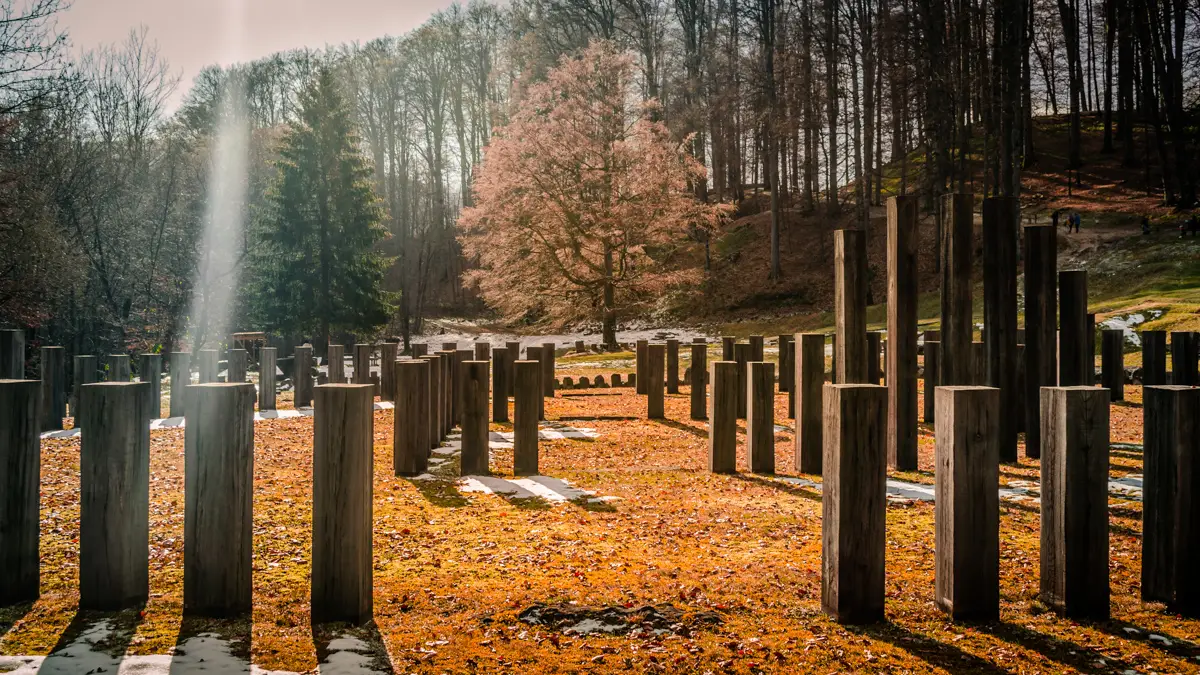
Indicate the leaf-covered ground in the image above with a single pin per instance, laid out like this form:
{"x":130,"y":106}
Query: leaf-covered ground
{"x":737,"y":555}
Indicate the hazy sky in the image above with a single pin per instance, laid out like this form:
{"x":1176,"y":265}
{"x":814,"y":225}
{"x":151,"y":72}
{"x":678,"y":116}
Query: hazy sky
{"x":192,"y":34}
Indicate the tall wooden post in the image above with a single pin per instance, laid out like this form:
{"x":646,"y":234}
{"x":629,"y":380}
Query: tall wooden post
{"x":902,"y":241}
{"x":118,"y":368}
{"x":362,"y":364}
{"x":207,"y":367}
{"x":387,"y":370}
{"x":500,"y":384}
{"x":854,"y":502}
{"x":514,"y":354}
{"x":1154,"y":357}
{"x":410,"y":423}
{"x":967,"y":508}
{"x":335,"y":358}
{"x":1075,"y":360}
{"x":483,"y":351}
{"x":475,"y":434}
{"x":218,"y":534}
{"x":54,"y":388}
{"x":672,"y":366}
{"x":1041,"y":327}
{"x":699,"y":391}
{"x":266,"y":379}
{"x":343,"y":440}
{"x":741,"y":356}
{"x":760,"y":417}
{"x":303,"y":381}
{"x":810,"y":383}
{"x":448,"y":390}
{"x":958,"y":238}
{"x":656,"y":356}
{"x":722,"y":417}
{"x":1000,"y":311}
{"x":786,"y":368}
{"x":114,"y":505}
{"x":1090,"y":373}
{"x":527,"y":399}
{"x":84,"y":370}
{"x":874,"y":347}
{"x":150,"y":372}
{"x":548,"y":368}
{"x":1170,"y":530}
{"x":727,"y":343}
{"x":534,"y":353}
{"x":436,"y":424}
{"x":20,"y":480}
{"x":1184,"y":359}
{"x":1074,"y":553}
{"x":932,"y":358}
{"x":640,"y":366}
{"x":757,"y":347}
{"x":181,"y":378}
{"x":235,"y":372}
{"x":850,"y":305}
{"x":12,"y":354}
{"x":1112,"y":362}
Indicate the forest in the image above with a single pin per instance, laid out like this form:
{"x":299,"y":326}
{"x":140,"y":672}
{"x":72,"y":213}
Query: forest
{"x":819,"y":106}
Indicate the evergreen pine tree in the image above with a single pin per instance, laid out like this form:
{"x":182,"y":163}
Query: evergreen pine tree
{"x":317,"y":256}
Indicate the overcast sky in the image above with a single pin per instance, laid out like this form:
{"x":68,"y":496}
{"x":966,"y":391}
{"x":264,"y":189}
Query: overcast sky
{"x":192,"y":34}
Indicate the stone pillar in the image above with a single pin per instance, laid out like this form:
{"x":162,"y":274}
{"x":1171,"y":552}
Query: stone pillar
{"x":20,"y":481}
{"x":150,"y":372}
{"x":343,"y":459}
{"x":699,"y":398}
{"x":335,"y":357}
{"x":362,"y":364}
{"x":967,"y":507}
{"x":741,"y":356}
{"x":1074,"y":552}
{"x":902,"y":241}
{"x":548,"y":369}
{"x":722,"y":417}
{"x":810,"y":381}
{"x":475,"y":434}
{"x":114,"y":504}
{"x":1170,"y":531}
{"x":54,"y":388}
{"x":500,"y":384}
{"x":958,"y":239}
{"x":534,"y":353}
{"x":84,"y":370}
{"x":656,"y":356}
{"x":932,"y":358}
{"x":672,"y":366}
{"x":235,"y":372}
{"x":1154,"y":357}
{"x":1076,"y":362}
{"x":436,"y":424}
{"x":1000,"y":216}
{"x":527,"y":399}
{"x":302,"y":380}
{"x":387,"y":370}
{"x":12,"y":354}
{"x":874,"y":347}
{"x":854,"y":502}
{"x":118,"y":368}
{"x":640,"y":366}
{"x":218,"y":529}
{"x":1184,"y":359}
{"x":483,"y":351}
{"x":181,"y":379}
{"x":1112,"y":362}
{"x":266,"y":379}
{"x":1041,"y":327}
{"x":850,"y":305}
{"x":757,"y":350}
{"x":410,"y":422}
{"x":760,"y":417}
{"x":727,"y":343}
{"x":786,"y":367}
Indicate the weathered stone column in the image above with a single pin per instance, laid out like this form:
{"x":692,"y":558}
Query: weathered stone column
{"x":1076,"y":362}
{"x":266,"y":379}
{"x":727,"y":343}
{"x":362,"y":364}
{"x":672,"y":366}
{"x":757,"y":350}
{"x":534,"y":353}
{"x":84,"y":370}
{"x":699,"y":391}
{"x":853,"y":504}
{"x":902,"y":241}
{"x":114,"y":505}
{"x":218,"y":533}
{"x":874,"y":347}
{"x":483,"y":351}
{"x":500,"y":384}
{"x":181,"y":379}
{"x":957,"y":326}
{"x":150,"y":372}
{"x":410,"y":423}
{"x":302,"y":380}
{"x":54,"y":388}
{"x":850,"y":305}
{"x":932,"y":352}
{"x":235,"y":372}
{"x":343,"y":440}
{"x":786,"y":368}
{"x":640,"y":366}
{"x":1170,"y":533}
{"x":548,"y":371}
{"x":1000,"y":216}
{"x":118,"y":368}
{"x":760,"y":417}
{"x":436,"y":425}
{"x":656,"y":356}
{"x":387,"y":370}
{"x":1184,"y":359}
{"x":722,"y":417}
{"x":741,"y":356}
{"x":12,"y":354}
{"x":1041,"y":327}
{"x":1112,"y":362}
{"x":20,"y":481}
{"x":810,"y":381}
{"x":527,"y":399}
{"x":475,"y":434}
{"x":967,"y":507}
{"x":1154,"y":357}
{"x":1074,"y":553}
{"x":335,"y":357}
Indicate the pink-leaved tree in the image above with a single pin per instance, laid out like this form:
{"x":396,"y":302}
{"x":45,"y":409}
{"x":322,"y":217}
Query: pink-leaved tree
{"x":582,"y":200}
